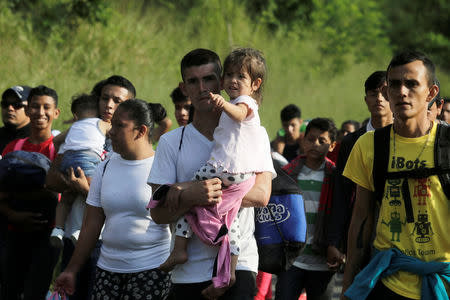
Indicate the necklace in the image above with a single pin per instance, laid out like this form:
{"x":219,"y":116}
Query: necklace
{"x":424,"y":145}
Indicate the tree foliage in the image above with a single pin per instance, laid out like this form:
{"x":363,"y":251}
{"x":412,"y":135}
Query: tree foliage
{"x":421,"y":25}
{"x":342,"y":28}
{"x":56,"y":20}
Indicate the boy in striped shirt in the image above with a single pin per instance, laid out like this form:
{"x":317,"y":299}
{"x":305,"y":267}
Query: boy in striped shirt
{"x":313,"y":172}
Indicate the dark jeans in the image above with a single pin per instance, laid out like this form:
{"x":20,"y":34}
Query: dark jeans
{"x":86,"y":276}
{"x":380,"y":291}
{"x":291,"y":283}
{"x":28,"y":269}
{"x":243,"y":289}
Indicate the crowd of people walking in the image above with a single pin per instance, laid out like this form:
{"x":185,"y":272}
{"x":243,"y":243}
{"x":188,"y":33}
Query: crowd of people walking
{"x":127,"y":221}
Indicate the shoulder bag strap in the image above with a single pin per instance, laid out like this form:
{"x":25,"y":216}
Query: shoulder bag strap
{"x":442,"y":156}
{"x":19,"y":144}
{"x":380,"y":160}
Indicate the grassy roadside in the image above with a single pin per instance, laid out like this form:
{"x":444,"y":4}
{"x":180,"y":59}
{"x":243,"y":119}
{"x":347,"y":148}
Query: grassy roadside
{"x":146,"y":45}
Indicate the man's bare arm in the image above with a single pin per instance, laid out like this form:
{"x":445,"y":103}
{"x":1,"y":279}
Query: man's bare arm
{"x":90,"y":231}
{"x":359,"y":235}
{"x":56,"y":180}
{"x":186,"y":194}
{"x":206,"y":192}
{"x":259,"y":195}
{"x":162,"y":128}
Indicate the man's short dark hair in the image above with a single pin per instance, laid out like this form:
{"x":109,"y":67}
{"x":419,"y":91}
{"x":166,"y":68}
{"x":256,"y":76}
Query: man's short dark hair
{"x":407,"y":57}
{"x":290,"y":112}
{"x":323,"y":124}
{"x":375,"y":80}
{"x":178,"y":96}
{"x":83,"y":102}
{"x":118,"y":80}
{"x":200,"y":57}
{"x":446,"y":100}
{"x":43,"y":90}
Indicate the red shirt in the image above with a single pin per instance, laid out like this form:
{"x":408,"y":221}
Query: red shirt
{"x":43,"y":147}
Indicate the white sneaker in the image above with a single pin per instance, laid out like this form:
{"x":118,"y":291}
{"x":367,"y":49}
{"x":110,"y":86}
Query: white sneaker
{"x":56,"y":238}
{"x":74,"y":236}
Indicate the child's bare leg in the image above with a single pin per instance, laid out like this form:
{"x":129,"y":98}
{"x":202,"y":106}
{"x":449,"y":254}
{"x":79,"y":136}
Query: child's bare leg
{"x":212,"y":292}
{"x":179,"y":252}
{"x":63,"y":208}
{"x":178,"y":255}
{"x":62,"y":211}
{"x":234,"y":236}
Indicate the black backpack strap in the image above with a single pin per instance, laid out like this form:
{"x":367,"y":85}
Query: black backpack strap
{"x":381,"y":141}
{"x":181,"y":138}
{"x":442,"y":156}
{"x":104,"y":167}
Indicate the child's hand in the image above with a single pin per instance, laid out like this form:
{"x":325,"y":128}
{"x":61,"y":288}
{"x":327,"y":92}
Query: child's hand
{"x":217,"y":100}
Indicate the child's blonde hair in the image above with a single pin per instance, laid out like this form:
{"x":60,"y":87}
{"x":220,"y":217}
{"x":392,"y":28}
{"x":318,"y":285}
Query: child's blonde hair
{"x":253,"y":62}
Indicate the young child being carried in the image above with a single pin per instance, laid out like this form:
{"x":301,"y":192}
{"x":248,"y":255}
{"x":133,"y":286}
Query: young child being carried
{"x":240,"y":150}
{"x":83,"y":148}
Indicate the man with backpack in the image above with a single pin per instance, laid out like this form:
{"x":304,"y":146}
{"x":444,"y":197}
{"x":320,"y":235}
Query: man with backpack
{"x":403,"y":169}
{"x":30,"y":208}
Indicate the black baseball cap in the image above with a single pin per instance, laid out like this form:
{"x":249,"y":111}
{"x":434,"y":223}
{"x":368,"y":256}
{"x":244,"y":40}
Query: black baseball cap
{"x":19,"y":93}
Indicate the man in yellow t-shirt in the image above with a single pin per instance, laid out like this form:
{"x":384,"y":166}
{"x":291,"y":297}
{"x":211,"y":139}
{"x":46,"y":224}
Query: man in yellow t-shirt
{"x":424,"y":235}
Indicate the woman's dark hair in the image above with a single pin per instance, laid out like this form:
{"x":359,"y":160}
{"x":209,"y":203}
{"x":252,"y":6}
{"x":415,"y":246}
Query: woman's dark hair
{"x":158,"y":112}
{"x":140,"y":112}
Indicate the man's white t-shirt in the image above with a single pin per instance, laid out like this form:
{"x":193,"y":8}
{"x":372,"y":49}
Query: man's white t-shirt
{"x":132,"y":241}
{"x":172,"y":165}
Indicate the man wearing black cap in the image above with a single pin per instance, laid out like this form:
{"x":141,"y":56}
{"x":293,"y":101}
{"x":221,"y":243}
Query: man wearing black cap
{"x":17,"y":126}
{"x":17,"y":123}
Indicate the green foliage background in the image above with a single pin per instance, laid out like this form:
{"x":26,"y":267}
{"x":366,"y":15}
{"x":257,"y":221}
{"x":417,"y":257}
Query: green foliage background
{"x":319,"y":52}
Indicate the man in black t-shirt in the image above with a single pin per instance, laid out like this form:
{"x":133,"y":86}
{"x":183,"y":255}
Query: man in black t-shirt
{"x":17,"y":126}
{"x":17,"y":123}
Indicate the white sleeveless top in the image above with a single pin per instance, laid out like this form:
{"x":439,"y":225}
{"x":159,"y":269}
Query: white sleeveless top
{"x":84,"y":135}
{"x":241,"y":147}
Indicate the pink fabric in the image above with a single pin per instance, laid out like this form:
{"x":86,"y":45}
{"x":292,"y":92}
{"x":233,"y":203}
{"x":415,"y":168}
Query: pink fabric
{"x":206,"y":222}
{"x":153,"y":201}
